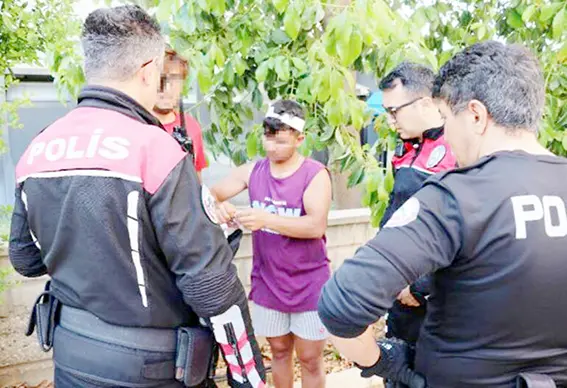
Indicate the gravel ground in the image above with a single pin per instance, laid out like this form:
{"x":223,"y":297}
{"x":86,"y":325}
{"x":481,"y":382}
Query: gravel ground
{"x":15,"y":347}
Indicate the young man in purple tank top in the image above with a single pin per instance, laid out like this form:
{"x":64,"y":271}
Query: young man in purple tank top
{"x":290,"y":197}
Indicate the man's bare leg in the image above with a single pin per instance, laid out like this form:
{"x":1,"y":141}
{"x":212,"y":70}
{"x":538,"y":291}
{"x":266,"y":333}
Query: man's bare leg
{"x":282,"y":360}
{"x":310,"y":355}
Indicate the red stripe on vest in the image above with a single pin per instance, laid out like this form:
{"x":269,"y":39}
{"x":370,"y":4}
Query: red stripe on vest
{"x":101,"y":139}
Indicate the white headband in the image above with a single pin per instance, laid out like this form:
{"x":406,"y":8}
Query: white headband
{"x":294,"y":122}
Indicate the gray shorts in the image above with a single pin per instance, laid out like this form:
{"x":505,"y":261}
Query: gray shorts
{"x":272,"y":323}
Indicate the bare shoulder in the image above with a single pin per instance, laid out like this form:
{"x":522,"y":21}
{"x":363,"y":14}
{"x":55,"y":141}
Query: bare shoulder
{"x":244,"y":171}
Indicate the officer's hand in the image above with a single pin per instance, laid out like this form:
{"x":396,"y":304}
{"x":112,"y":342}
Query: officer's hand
{"x":406,"y":298}
{"x":226,"y":212}
{"x":393,"y":364}
{"x":252,"y":219}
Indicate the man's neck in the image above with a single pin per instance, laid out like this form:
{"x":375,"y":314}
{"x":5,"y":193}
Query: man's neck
{"x":165,"y":118}
{"x":127,"y":88}
{"x":434,"y":121}
{"x":430,"y":120}
{"x":520,"y":140}
{"x":287,"y":168}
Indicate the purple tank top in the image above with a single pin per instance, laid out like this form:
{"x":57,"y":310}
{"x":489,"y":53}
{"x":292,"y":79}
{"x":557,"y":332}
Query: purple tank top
{"x":287,"y":273}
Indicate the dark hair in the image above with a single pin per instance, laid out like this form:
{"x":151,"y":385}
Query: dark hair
{"x":118,"y":41}
{"x":415,"y":78}
{"x":507,"y":79}
{"x":272,"y":125}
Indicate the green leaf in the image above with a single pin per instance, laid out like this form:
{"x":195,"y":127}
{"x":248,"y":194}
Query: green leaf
{"x":339,"y":138}
{"x":304,"y":89}
{"x":335,"y":115}
{"x":164,"y":11}
{"x":373,"y":179}
{"x":383,"y":192}
{"x":279,"y":37}
{"x":343,"y":34}
{"x":529,"y":13}
{"x":355,"y":48}
{"x":186,"y":18}
{"x":257,"y":98}
{"x":292,"y":22}
{"x":262,"y":71}
{"x":356,"y":114}
{"x":350,"y":81}
{"x":251,"y":145}
{"x":219,"y":57}
{"x":328,"y":134}
{"x":280,"y":5}
{"x":228,"y":75}
{"x":205,"y":79}
{"x":299,"y":64}
{"x":562,"y":53}
{"x":481,"y":32}
{"x":336,"y":84}
{"x":514,"y":19}
{"x":419,"y":18}
{"x":204,"y":5}
{"x":465,"y":18}
{"x":309,"y":16}
{"x":559,"y":23}
{"x":564,"y":142}
{"x":444,"y":57}
{"x":218,"y":6}
{"x":355,"y":177}
{"x":377,"y":213}
{"x":547,"y":11}
{"x":349,"y":44}
{"x":323,"y":89}
{"x":389,"y":180}
{"x":282,"y":68}
{"x":240,"y":65}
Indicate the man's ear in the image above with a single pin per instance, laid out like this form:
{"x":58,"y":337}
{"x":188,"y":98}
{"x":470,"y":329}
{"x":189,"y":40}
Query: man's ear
{"x":300,"y":139}
{"x":148,"y":72}
{"x":426,"y":101}
{"x":479,"y":116}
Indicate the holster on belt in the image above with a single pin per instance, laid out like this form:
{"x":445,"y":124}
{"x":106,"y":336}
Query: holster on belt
{"x":534,"y":380}
{"x":44,"y":317}
{"x":194,"y":354}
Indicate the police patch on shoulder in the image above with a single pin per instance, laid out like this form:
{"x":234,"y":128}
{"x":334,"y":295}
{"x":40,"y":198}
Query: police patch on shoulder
{"x":405,"y":214}
{"x":209,"y":204}
{"x":436,"y":156}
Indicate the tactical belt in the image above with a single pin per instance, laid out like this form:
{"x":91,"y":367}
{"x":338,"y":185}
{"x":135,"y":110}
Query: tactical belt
{"x":192,"y":346}
{"x":88,"y":325}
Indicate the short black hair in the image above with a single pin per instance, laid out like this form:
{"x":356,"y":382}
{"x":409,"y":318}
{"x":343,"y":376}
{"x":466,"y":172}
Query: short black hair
{"x":507,"y":79}
{"x":415,"y":78}
{"x":272,"y":125}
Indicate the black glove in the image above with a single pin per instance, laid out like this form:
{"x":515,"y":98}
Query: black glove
{"x":234,"y":240}
{"x":393,"y":364}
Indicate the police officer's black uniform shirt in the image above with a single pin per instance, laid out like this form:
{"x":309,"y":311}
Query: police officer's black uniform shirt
{"x":496,"y":235}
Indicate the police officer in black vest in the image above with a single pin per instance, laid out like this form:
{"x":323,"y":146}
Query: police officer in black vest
{"x":493,"y":233}
{"x":109,"y":205}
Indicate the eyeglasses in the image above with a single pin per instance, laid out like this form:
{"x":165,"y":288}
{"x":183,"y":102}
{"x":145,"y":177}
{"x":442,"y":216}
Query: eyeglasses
{"x":393,"y":110}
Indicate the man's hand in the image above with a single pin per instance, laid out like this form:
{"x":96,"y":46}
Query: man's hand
{"x":393,"y":364}
{"x":252,"y":219}
{"x":226,"y":212}
{"x":406,"y":298}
